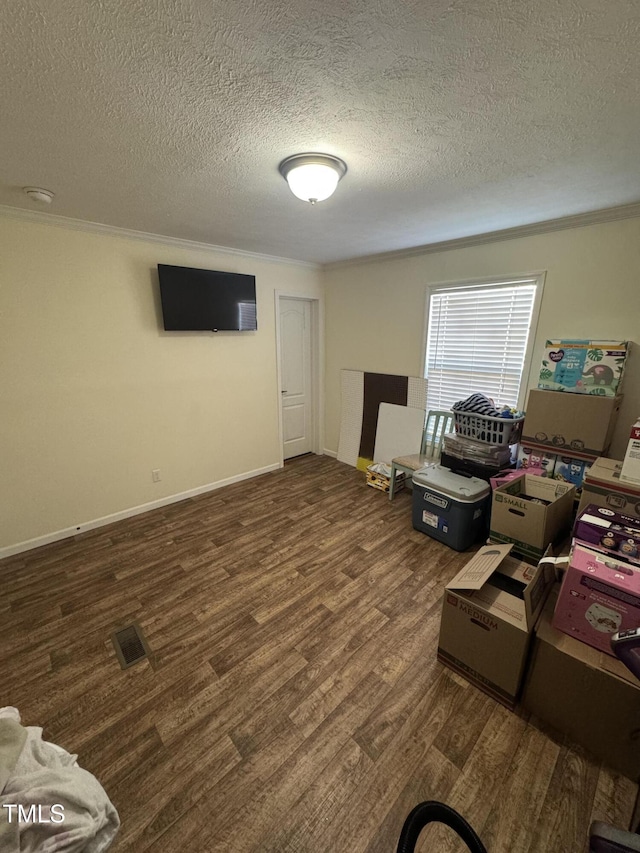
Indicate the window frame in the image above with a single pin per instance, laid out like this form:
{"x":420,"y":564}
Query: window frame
{"x":536,"y":278}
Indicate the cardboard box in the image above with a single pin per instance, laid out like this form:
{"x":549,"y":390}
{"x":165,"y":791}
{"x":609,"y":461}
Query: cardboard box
{"x":609,"y":532}
{"x":570,"y":422}
{"x":516,"y":516}
{"x":533,"y":457}
{"x":631,"y":462}
{"x":488,"y":614}
{"x":599,"y":596}
{"x":584,"y":367}
{"x":602,"y":486}
{"x":590,"y":697}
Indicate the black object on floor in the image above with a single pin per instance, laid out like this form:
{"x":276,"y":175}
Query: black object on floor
{"x":435,"y":812}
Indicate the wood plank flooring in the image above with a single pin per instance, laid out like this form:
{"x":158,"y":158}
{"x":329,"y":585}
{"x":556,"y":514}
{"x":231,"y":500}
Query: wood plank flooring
{"x":294,"y":703}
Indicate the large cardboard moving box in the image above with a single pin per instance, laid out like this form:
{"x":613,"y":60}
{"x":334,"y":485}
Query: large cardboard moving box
{"x":589,"y":696}
{"x":602,"y":486}
{"x":488,"y":614}
{"x":564,"y":423}
{"x":531,"y":512}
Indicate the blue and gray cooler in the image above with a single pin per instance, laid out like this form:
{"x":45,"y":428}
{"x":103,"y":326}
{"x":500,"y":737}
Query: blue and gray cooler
{"x":450,"y":507}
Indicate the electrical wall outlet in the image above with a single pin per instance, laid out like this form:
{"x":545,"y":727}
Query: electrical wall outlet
{"x":155,"y":475}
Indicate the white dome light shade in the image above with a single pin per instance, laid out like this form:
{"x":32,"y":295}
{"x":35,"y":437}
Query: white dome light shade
{"x":313,"y":182}
{"x":312,"y":177}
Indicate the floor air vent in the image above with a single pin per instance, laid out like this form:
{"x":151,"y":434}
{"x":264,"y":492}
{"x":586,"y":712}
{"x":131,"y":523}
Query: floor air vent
{"x":130,"y":645}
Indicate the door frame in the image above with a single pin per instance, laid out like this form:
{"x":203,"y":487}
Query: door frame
{"x":316,"y":304}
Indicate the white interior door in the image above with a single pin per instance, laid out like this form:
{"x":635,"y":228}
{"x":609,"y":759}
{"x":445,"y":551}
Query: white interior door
{"x":295,"y":371}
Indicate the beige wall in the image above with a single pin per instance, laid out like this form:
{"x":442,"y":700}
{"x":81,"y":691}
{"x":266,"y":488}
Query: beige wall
{"x":95,"y":394}
{"x":375,"y":311}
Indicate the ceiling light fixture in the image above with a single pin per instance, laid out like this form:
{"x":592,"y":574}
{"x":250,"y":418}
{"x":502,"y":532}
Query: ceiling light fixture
{"x":312,"y":177}
{"x":38,"y":194}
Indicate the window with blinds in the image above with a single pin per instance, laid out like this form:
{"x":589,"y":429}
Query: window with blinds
{"x":478,"y":341}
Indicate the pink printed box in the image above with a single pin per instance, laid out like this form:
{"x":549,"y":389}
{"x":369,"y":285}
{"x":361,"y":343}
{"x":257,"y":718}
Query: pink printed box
{"x":599,"y":596}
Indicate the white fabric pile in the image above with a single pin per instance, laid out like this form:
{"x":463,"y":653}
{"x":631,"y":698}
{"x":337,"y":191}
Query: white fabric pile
{"x":45,"y":775}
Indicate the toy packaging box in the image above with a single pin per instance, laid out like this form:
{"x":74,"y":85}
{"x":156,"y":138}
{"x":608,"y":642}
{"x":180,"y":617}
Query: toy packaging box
{"x":631,"y":463}
{"x":599,"y":596}
{"x":584,"y":367}
{"x":535,"y":458}
{"x":609,"y":532}
{"x":572,"y":471}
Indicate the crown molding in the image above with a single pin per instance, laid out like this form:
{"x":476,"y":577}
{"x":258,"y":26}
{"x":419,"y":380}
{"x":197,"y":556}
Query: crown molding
{"x":42,"y":218}
{"x":595,"y":217}
{"x":579,"y":220}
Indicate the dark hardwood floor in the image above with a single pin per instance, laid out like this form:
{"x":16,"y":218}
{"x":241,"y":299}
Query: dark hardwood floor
{"x":294,"y":702}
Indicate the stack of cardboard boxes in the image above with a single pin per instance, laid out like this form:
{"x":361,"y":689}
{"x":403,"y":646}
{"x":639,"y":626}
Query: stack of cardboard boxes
{"x":575,"y":682}
{"x":499,"y":631}
{"x":572,"y":414}
{"x":496,"y":628}
{"x":587,"y":695}
{"x":569,"y":424}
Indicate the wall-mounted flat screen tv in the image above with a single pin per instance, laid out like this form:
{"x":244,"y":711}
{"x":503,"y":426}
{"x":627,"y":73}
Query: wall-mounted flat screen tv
{"x":207,"y":300}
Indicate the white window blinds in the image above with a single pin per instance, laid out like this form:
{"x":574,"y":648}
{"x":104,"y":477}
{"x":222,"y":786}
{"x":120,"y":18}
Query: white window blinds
{"x":477,"y":341}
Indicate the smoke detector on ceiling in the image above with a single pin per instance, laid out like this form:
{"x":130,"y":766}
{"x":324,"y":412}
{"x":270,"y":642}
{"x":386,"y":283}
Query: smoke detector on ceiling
{"x":38,"y":194}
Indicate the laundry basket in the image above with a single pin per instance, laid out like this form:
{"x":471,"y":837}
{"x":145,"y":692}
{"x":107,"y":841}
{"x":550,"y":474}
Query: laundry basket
{"x":502,"y":431}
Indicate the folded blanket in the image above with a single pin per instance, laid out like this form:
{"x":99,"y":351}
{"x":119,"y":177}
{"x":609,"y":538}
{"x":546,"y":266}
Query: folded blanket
{"x":45,"y":775}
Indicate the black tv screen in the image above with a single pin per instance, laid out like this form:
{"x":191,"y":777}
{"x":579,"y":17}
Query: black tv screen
{"x":207,"y":300}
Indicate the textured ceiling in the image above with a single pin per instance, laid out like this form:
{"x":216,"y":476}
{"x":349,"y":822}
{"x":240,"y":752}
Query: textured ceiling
{"x":455,"y":117}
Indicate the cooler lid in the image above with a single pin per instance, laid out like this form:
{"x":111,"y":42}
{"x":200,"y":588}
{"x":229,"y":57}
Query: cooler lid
{"x":457,"y":486}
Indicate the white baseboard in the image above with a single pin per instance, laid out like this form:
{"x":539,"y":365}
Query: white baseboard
{"x":332,"y":453}
{"x":29,"y":544}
